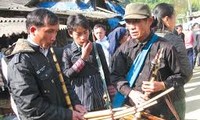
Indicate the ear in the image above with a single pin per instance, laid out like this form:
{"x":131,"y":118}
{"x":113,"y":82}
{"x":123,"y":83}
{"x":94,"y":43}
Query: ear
{"x":165,"y":20}
{"x":70,"y":33}
{"x":32,"y":29}
{"x":150,"y":20}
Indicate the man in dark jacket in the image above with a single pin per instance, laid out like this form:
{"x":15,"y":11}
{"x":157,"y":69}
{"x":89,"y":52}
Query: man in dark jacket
{"x":33,"y":79}
{"x":140,"y":51}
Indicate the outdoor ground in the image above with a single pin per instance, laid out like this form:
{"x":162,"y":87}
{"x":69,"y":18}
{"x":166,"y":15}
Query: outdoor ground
{"x":193,"y":96}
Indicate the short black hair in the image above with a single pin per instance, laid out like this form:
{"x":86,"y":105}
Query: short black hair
{"x":73,"y":21}
{"x":41,"y":17}
{"x":99,"y":26}
{"x":179,"y":26}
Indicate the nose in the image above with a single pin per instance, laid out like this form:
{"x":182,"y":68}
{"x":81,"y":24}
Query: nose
{"x":54,"y":36}
{"x":83,"y":37}
{"x":132,"y":27}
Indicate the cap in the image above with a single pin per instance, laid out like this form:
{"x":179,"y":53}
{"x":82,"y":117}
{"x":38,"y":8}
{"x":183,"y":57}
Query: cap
{"x":137,"y":11}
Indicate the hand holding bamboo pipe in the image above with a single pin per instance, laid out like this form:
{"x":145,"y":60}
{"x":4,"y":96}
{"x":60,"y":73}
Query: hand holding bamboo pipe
{"x":153,"y":85}
{"x":126,"y":111}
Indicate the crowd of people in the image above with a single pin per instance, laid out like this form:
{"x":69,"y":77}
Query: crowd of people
{"x":111,"y":70}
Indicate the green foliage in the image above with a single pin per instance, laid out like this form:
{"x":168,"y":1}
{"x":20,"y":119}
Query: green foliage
{"x":195,"y":5}
{"x":181,"y":6}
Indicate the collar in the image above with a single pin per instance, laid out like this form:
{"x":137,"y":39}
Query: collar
{"x":102,"y":40}
{"x":136,"y":42}
{"x":30,"y":40}
{"x":35,"y":45}
{"x":75,"y":47}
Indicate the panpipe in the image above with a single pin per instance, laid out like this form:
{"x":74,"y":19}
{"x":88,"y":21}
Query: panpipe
{"x":126,"y":112}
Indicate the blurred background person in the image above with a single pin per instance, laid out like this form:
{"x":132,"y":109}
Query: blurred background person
{"x":99,"y":32}
{"x":179,"y":31}
{"x":196,"y":30}
{"x":118,"y":36}
{"x":189,"y":44}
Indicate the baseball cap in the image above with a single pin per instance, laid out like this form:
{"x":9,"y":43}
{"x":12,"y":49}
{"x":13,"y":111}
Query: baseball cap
{"x":137,"y":11}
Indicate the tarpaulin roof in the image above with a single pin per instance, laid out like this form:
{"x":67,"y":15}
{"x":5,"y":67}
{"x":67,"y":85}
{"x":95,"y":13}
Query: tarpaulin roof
{"x":13,"y":16}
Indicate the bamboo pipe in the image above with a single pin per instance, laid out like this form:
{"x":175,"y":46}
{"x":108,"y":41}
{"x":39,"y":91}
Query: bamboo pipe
{"x":101,"y":113}
{"x":155,"y":64}
{"x":157,"y":96}
{"x":127,"y":111}
{"x":107,"y":115}
{"x":64,"y":88}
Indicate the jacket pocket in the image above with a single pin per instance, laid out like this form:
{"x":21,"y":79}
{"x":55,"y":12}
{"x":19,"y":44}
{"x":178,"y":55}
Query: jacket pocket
{"x":46,"y":80}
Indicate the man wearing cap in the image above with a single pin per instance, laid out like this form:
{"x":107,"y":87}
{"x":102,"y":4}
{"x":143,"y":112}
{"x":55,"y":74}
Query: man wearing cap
{"x":131,"y":65}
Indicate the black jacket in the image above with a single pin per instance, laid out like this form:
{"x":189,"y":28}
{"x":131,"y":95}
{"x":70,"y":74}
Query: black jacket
{"x":177,"y":42}
{"x":35,"y":86}
{"x":87,"y":82}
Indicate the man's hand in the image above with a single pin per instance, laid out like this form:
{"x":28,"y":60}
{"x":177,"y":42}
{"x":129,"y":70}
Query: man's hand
{"x":80,"y":108}
{"x":151,"y":87}
{"x":86,"y":49}
{"x":137,"y":97}
{"x":77,"y":115}
{"x":79,"y":112}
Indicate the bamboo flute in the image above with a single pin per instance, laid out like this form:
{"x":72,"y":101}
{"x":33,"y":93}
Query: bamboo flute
{"x":64,"y":88}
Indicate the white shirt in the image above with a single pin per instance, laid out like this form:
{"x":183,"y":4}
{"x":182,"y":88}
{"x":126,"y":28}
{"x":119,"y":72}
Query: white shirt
{"x":105,"y":44}
{"x":42,"y":50}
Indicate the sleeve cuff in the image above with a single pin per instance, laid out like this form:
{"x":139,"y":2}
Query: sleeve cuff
{"x":125,"y":90}
{"x":78,"y":66}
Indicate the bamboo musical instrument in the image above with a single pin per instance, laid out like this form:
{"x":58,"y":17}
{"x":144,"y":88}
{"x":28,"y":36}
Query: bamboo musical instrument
{"x":64,"y":88}
{"x":155,"y":65}
{"x":109,"y":115}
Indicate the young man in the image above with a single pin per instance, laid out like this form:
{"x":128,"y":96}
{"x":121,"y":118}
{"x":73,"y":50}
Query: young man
{"x":33,"y":79}
{"x":81,"y":66}
{"x":132,"y":81}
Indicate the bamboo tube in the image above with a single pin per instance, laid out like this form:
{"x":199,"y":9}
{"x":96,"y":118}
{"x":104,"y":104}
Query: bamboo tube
{"x":128,"y":111}
{"x":158,"y":96}
{"x":64,"y":88}
{"x":97,"y":114}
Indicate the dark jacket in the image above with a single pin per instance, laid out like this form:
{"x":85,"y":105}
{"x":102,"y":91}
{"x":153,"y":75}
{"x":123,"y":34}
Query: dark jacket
{"x":87,"y":81}
{"x":35,"y":86}
{"x":170,"y":70}
{"x":72,"y":53}
{"x":177,"y":42}
{"x":114,"y":38}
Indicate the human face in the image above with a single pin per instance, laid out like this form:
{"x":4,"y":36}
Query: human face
{"x":179,"y":30}
{"x":80,"y":35}
{"x":139,"y":28}
{"x":44,"y":36}
{"x":196,"y":27}
{"x":99,"y":33}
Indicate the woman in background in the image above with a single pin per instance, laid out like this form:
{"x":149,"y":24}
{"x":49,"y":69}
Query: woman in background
{"x":164,"y":21}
